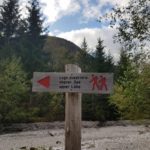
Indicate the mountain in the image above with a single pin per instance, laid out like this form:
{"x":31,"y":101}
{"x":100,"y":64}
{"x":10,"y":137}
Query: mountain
{"x":54,"y":43}
{"x":61,"y":52}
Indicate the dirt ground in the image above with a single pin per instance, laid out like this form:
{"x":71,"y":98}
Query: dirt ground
{"x":102,"y":138}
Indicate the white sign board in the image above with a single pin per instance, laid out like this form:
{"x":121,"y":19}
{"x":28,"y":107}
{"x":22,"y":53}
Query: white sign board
{"x":101,"y":83}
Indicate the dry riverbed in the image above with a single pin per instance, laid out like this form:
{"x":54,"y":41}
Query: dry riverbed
{"x":129,"y":137}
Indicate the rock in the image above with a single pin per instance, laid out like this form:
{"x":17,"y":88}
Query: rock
{"x":50,"y":148}
{"x":50,"y":134}
{"x":10,"y":129}
{"x":23,"y":148}
{"x":58,"y":142}
{"x":141,"y":132}
{"x":33,"y":148}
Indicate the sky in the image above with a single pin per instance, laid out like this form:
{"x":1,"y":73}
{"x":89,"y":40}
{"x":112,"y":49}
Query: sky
{"x":75,"y":19}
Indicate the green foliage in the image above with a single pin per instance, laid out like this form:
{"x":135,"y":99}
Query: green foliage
{"x":88,"y":107}
{"x":84,"y":45}
{"x":27,"y":39}
{"x":122,"y":65}
{"x":109,"y":64}
{"x":33,"y":56}
{"x":13,"y":87}
{"x":96,"y":107}
{"x":56,"y":107}
{"x":83,"y":58}
{"x":9,"y":27}
{"x":133,"y":20}
{"x":35,"y":20}
{"x":102,"y":62}
{"x":61,"y":52}
{"x":100,"y":57}
{"x":9,"y":21}
{"x":131,"y":93}
{"x":19,"y":115}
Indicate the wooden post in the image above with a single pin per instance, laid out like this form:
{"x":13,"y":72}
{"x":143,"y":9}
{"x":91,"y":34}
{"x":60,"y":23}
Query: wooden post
{"x":73,"y":115}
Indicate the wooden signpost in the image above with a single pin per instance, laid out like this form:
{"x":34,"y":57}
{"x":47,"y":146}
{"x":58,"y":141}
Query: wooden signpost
{"x":73,"y":115}
{"x":73,"y":83}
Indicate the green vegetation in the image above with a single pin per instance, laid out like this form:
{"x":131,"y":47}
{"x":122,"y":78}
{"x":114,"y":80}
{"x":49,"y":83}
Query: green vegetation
{"x":132,"y":23}
{"x":13,"y":90}
{"x":25,"y":48}
{"x":132,"y":87}
{"x":132,"y":91}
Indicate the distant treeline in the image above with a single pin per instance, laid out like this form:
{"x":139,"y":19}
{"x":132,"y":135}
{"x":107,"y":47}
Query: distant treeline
{"x":24,"y":48}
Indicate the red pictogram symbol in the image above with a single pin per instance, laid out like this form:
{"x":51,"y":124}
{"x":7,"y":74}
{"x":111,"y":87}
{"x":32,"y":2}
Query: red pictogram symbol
{"x":94,"y":82}
{"x":98,"y":83}
{"x":102,"y":83}
{"x":45,"y":81}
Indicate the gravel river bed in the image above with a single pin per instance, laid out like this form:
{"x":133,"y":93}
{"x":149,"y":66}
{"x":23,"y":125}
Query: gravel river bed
{"x":129,"y":137}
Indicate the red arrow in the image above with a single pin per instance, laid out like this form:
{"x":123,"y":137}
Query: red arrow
{"x":45,"y":81}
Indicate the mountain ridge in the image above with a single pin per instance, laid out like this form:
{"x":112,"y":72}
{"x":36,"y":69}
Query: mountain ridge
{"x":61,"y":52}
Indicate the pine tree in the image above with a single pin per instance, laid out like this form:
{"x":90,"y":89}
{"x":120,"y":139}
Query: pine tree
{"x":102,"y":63}
{"x":131,"y":92}
{"x":100,"y":57}
{"x":110,"y":67}
{"x":34,"y":58}
{"x":35,"y":20}
{"x":83,"y":58}
{"x":9,"y":27}
{"x":9,"y":22}
{"x":13,"y":90}
{"x":123,"y":64}
{"x":84,"y":45}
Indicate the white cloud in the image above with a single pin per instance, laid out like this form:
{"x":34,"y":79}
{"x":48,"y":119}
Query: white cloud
{"x":92,"y":10}
{"x":91,"y":36}
{"x":114,"y":2}
{"x":1,"y":1}
{"x":56,"y":9}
